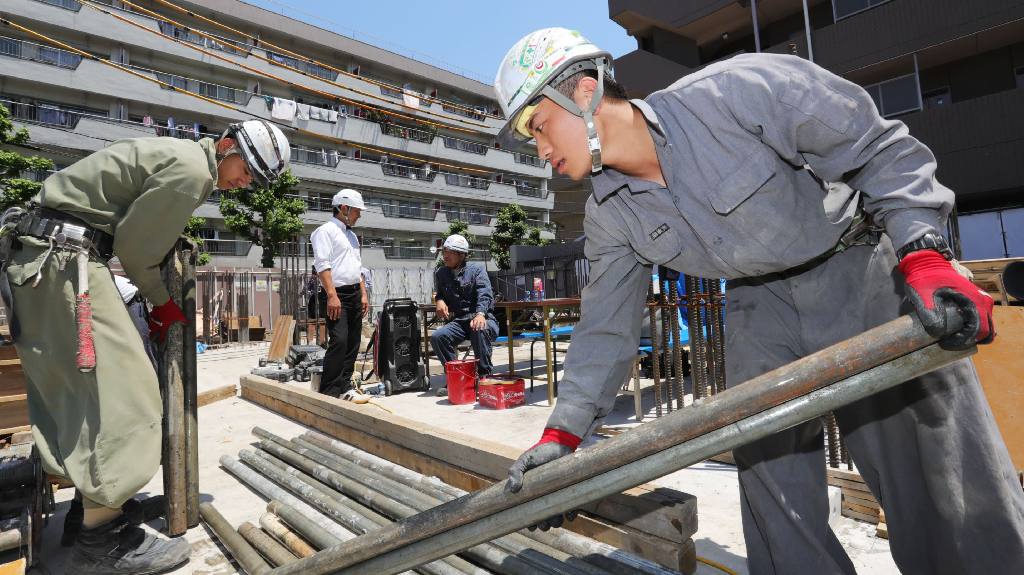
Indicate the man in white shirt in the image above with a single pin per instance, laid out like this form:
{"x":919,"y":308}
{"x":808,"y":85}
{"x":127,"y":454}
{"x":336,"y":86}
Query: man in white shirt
{"x":338,"y":264}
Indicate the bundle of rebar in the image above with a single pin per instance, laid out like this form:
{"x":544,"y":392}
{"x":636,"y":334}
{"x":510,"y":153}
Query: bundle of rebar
{"x":322,"y":492}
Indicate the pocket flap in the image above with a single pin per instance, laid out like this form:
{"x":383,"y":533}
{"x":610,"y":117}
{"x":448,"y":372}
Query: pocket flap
{"x":742,"y":183}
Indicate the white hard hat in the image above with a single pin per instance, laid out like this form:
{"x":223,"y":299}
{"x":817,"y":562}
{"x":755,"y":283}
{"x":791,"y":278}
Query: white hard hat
{"x":264,"y":148}
{"x":533,"y":67}
{"x":456,"y":243}
{"x":348,"y":197}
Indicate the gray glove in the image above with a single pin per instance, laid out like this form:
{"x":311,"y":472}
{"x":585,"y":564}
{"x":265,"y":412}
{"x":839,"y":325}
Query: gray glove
{"x":535,"y":457}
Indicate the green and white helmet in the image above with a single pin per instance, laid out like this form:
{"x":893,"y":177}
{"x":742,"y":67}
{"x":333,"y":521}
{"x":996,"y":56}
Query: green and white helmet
{"x":533,"y":67}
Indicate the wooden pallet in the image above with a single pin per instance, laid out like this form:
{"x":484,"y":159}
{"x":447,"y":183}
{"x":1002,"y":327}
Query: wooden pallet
{"x":857,"y":501}
{"x":13,"y":398}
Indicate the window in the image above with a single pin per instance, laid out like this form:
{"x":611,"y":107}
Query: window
{"x":896,"y":96}
{"x":845,"y":8}
{"x":992,"y":235}
{"x":1019,"y":72}
{"x":937,"y":98}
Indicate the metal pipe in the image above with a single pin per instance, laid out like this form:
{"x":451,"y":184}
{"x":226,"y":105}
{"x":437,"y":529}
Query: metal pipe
{"x":243,"y":553}
{"x":190,"y":383}
{"x":312,"y":531}
{"x":757,"y":30}
{"x":640,"y":455}
{"x":807,"y":30}
{"x":266,"y":545}
{"x":272,"y":491}
{"x":172,"y":375}
{"x":606,"y":556}
{"x":731,"y":436}
{"x":273,"y":525}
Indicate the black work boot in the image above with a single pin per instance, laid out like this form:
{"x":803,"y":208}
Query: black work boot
{"x":72,"y":523}
{"x":117,"y":548}
{"x":136,"y":511}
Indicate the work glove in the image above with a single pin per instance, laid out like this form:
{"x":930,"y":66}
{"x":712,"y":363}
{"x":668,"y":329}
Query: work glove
{"x":553,"y":444}
{"x":162,"y":317}
{"x":933,"y":283}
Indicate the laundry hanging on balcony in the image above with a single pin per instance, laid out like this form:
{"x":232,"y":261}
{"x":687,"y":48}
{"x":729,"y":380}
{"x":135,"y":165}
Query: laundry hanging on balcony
{"x":283,"y":109}
{"x":410,"y":98}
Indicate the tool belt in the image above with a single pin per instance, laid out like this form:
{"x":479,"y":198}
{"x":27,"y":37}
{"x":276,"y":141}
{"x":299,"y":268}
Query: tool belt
{"x":65,"y":231}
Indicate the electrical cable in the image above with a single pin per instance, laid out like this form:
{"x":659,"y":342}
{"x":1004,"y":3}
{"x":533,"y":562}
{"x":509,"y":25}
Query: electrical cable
{"x":716,"y":565}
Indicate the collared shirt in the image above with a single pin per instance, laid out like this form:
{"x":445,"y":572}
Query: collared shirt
{"x":466,"y":290}
{"x":336,"y":248}
{"x":766,"y":158}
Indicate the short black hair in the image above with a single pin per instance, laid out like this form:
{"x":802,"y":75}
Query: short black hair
{"x":612,"y":89}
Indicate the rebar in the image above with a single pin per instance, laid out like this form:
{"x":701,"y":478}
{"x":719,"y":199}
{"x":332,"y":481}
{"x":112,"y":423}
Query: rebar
{"x":693,"y":323}
{"x":667,"y":344}
{"x":677,"y":345}
{"x":832,"y":439}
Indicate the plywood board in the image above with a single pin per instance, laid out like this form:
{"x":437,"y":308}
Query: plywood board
{"x":1001,"y":371}
{"x":284,"y":325}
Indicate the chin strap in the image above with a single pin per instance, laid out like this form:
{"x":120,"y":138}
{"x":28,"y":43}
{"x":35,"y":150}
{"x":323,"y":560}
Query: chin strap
{"x":593,"y":141}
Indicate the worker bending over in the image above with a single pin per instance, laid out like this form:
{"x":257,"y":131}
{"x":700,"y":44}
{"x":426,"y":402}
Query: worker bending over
{"x":827,"y":221}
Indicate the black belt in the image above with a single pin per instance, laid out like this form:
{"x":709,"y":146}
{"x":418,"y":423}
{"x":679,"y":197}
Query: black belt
{"x":49,"y":224}
{"x":353,"y":288}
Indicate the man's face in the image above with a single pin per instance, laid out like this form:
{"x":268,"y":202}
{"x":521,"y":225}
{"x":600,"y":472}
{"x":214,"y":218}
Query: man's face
{"x":233,"y":173}
{"x":452,"y":259}
{"x":561,"y":139}
{"x":349,"y":215}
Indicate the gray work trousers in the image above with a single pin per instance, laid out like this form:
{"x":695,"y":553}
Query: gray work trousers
{"x":929,"y":449}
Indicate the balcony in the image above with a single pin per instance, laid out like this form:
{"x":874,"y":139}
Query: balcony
{"x":410,"y":172}
{"x":307,"y":67}
{"x":465,"y":145}
{"x":46,"y":114}
{"x":465,"y":111}
{"x":323,"y":157}
{"x":227,"y":247}
{"x":467,"y":181}
{"x":16,"y":48}
{"x":186,"y":35}
{"x":73,"y":5}
{"x":406,"y":132}
{"x":215,"y":91}
{"x":524,"y":189}
{"x":528,"y":160}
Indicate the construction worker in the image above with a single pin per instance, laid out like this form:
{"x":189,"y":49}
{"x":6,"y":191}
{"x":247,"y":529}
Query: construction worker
{"x":827,"y":220}
{"x":338,"y":264}
{"x":101,"y":428}
{"x":465,"y":301}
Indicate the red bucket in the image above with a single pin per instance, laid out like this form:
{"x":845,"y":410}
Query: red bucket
{"x":461,"y":378}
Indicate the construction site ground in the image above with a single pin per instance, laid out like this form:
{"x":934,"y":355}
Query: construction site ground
{"x":224,"y":428}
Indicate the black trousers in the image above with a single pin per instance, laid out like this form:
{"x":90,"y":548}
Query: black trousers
{"x":344,"y":336}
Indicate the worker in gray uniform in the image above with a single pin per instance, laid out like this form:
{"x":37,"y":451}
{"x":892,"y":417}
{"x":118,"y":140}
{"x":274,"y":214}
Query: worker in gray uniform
{"x":98,"y":423}
{"x":827,"y":221}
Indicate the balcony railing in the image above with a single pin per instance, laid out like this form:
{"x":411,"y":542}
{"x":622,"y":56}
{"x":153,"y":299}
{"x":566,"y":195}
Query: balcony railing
{"x":465,"y":111}
{"x":389,"y":91}
{"x":328,"y":158}
{"x":528,"y":159}
{"x":397,"y":209}
{"x":307,"y":67}
{"x":411,"y":172}
{"x":465,"y":145}
{"x":467,"y":181}
{"x":524,"y":189}
{"x":227,"y":247}
{"x":192,"y":38}
{"x":38,"y":53}
{"x":73,"y":5}
{"x":215,"y":91}
{"x":406,"y":133}
{"x":473,"y":217}
{"x":42,"y":114}
{"x":408,"y":253}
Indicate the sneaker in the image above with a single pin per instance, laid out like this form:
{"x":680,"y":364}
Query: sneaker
{"x":117,"y":548}
{"x":442,"y":392}
{"x":355,"y":396}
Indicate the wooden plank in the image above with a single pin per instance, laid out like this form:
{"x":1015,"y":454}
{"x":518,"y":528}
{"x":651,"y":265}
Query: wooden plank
{"x":861,"y":509}
{"x":882,"y":531}
{"x":843,"y":474}
{"x":16,"y":567}
{"x":872,"y":519}
{"x":12,"y":384}
{"x":214,"y":395}
{"x":13,"y":398}
{"x":858,"y":497}
{"x":679,"y":556}
{"x":658,"y":511}
{"x":12,"y":430}
{"x":8,"y":351}
{"x":284,"y":325}
{"x":13,"y":415}
{"x":1000,"y":371}
{"x":857,"y":486}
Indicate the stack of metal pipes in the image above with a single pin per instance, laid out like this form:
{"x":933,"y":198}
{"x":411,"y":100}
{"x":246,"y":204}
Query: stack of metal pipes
{"x":322,"y":492}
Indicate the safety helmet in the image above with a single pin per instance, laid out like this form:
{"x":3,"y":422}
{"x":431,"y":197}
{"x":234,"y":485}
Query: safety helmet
{"x":533,"y":67}
{"x":348,"y":197}
{"x":456,"y":243}
{"x":264,"y":148}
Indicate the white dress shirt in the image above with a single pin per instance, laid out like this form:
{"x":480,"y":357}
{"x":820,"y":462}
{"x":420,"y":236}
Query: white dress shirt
{"x":336,"y":248}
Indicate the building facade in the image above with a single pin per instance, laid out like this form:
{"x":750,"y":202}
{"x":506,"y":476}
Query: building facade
{"x":953,"y":71}
{"x":417,"y":140}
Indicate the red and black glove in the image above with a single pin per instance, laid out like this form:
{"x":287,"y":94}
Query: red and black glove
{"x":162,"y":317}
{"x":933,"y":283}
{"x":553,"y":444}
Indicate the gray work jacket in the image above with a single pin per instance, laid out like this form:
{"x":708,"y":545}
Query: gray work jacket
{"x":746,"y":147}
{"x":466,"y":291}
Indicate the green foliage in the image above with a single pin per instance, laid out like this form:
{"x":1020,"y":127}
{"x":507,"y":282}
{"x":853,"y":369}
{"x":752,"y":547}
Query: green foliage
{"x":512,"y":229}
{"x":15,"y":189}
{"x":266,"y":217}
{"x":195,"y":223}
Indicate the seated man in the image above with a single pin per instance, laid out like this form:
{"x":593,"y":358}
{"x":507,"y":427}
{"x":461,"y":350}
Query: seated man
{"x":464,"y":299}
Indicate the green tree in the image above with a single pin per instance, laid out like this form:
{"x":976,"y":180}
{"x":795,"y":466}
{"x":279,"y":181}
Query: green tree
{"x":16,"y":189}
{"x":266,"y":217}
{"x":195,"y":223}
{"x":512,"y":229}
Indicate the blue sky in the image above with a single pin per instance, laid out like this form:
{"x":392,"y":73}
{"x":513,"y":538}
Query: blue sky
{"x":463,"y":36}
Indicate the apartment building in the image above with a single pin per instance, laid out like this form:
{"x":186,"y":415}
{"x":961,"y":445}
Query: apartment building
{"x":417,"y":140}
{"x":952,"y":70}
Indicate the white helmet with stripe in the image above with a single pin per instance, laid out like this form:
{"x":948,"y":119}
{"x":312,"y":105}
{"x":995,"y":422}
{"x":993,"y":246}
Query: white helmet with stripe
{"x":533,"y":67}
{"x":348,"y":197}
{"x":264,"y":148}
